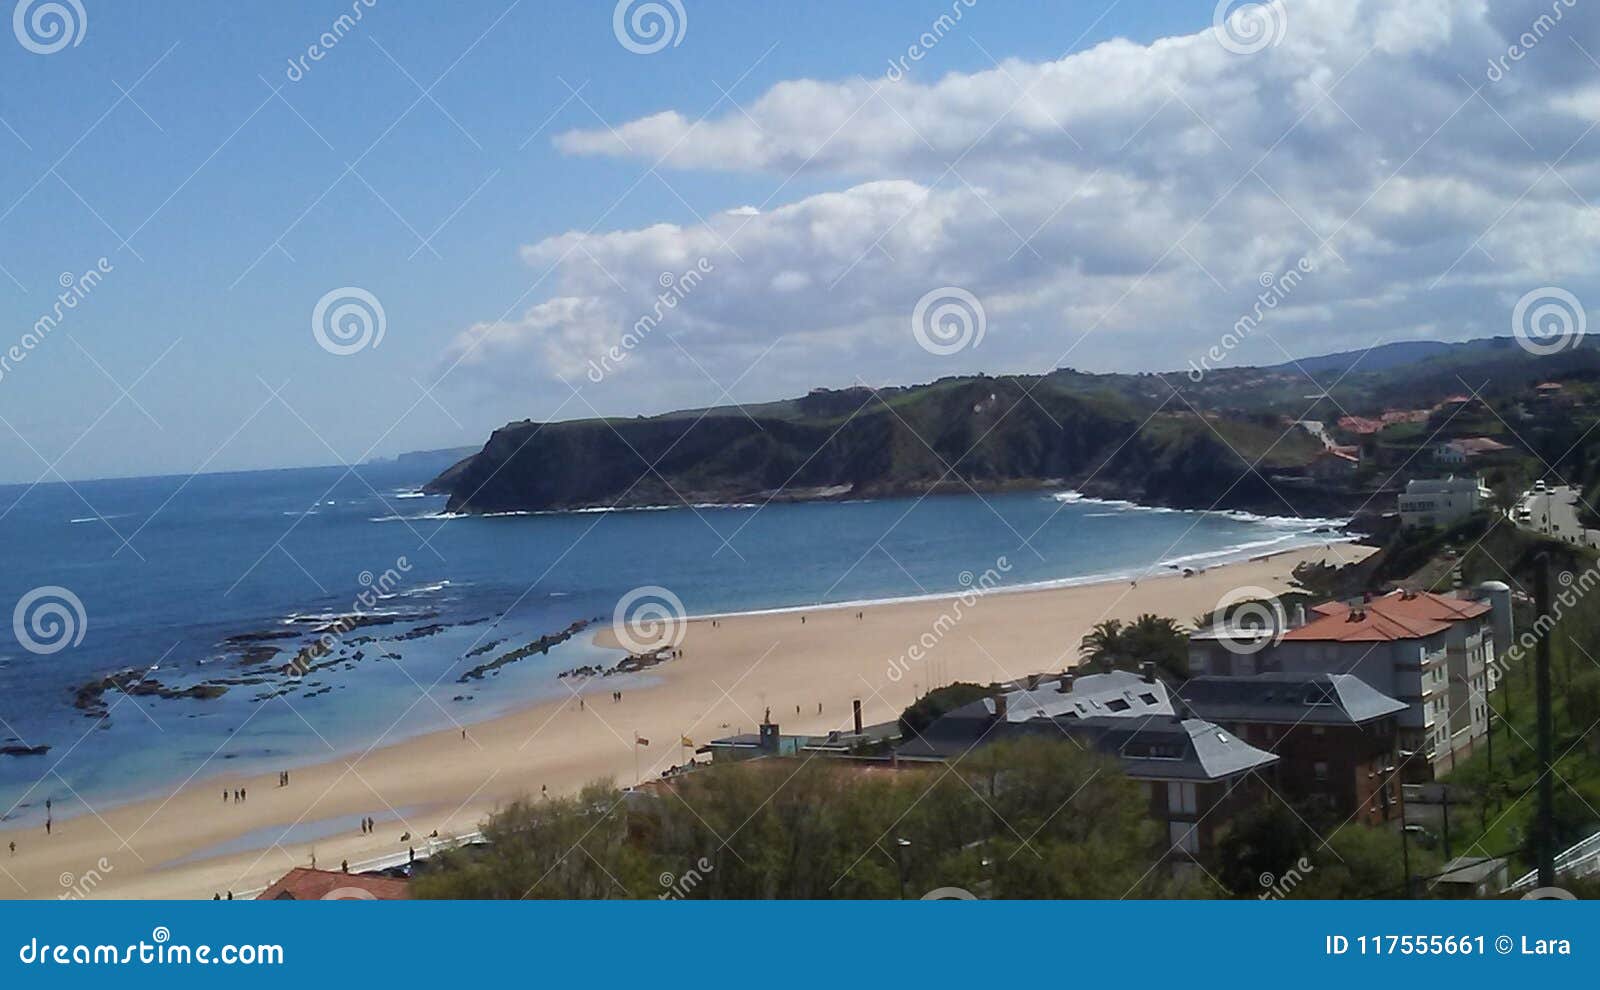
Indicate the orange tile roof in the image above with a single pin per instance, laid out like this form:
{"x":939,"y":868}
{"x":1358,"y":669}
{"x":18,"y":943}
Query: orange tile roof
{"x":1395,"y":616}
{"x":1360,"y":425}
{"x":302,"y":884}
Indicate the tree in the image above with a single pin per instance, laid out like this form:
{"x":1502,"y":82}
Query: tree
{"x":926,"y":709}
{"x":1149,"y":638}
{"x":1364,"y":863}
{"x":1259,"y":848}
{"x":1101,"y":648}
{"x":1583,"y":707}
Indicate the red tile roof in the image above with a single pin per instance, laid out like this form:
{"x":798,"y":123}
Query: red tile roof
{"x":1360,"y":425}
{"x":1397,"y":615}
{"x":301,"y":884}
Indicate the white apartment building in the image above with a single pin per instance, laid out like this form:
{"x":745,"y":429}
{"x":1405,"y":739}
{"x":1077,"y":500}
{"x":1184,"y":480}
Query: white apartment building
{"x":1442,"y":501}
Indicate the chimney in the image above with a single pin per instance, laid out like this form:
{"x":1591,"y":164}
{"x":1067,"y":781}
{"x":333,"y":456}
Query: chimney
{"x":1000,"y":707}
{"x":1065,"y":687}
{"x":1147,"y":670}
{"x":1299,"y":614}
{"x":857,"y":705}
{"x":1033,"y":681}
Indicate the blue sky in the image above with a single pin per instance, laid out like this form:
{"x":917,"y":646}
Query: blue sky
{"x":509,"y":221}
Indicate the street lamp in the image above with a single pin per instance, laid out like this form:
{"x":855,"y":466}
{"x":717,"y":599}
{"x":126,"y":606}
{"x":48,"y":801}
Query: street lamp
{"x":902,"y":852}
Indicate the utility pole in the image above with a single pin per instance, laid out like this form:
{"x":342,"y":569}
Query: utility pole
{"x":1544,"y":838}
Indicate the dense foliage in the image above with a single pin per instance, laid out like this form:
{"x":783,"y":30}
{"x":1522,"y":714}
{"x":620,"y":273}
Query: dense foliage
{"x":1038,"y":818}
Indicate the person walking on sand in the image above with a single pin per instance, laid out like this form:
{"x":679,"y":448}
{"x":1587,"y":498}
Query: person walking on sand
{"x":13,"y":847}
{"x":344,"y":866}
{"x":47,"y":824}
{"x":411,"y":854}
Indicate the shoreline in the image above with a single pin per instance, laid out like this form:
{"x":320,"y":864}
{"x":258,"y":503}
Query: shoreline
{"x":449,"y":780}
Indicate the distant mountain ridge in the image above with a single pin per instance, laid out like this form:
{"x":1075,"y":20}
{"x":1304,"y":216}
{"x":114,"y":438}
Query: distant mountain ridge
{"x":1160,"y":439}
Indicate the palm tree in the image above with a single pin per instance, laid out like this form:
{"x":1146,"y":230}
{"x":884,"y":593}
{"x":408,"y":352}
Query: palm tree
{"x":1103,"y":644}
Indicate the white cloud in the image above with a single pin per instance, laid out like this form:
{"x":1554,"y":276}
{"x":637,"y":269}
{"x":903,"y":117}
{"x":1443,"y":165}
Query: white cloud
{"x":1114,"y":208}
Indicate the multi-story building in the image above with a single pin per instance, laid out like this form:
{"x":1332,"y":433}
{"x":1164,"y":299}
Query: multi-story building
{"x":1442,"y":502}
{"x":1193,"y":771}
{"x":1430,"y":651}
{"x":1335,"y":738}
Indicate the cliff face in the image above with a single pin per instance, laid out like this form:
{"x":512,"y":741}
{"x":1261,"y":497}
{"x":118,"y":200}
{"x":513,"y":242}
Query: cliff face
{"x":981,"y":433}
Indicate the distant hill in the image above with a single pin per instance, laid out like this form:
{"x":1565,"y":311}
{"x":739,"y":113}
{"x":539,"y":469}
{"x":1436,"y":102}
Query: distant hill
{"x":1223,"y":438}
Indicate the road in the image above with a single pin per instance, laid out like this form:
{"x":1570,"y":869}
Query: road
{"x":1554,"y":512}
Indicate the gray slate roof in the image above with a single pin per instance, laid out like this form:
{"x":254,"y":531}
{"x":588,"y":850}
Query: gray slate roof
{"x":1288,"y":699}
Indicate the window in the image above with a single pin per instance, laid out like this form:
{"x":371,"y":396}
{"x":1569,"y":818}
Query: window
{"x":1183,"y":836}
{"x":1118,"y":705}
{"x":1180,"y":798}
{"x":1319,"y":770}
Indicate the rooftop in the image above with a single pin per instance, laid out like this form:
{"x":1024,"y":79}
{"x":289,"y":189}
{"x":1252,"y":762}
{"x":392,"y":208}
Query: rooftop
{"x":1395,"y":616}
{"x":1288,"y":698}
{"x":302,"y":884}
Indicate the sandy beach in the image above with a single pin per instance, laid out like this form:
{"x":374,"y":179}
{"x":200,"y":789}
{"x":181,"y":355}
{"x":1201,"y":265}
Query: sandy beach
{"x":729,"y":674}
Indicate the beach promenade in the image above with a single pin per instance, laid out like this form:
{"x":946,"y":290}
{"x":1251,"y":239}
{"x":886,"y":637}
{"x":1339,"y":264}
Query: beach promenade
{"x":189,"y":843}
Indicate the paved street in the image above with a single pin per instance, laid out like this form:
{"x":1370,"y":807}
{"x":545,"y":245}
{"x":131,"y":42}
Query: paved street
{"x":1554,"y":512}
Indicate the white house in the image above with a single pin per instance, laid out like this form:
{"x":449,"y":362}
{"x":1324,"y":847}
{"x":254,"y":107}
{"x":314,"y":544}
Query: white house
{"x":1442,"y":501}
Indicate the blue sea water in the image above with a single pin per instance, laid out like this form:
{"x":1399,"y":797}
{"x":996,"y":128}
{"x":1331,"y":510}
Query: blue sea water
{"x":167,"y":569}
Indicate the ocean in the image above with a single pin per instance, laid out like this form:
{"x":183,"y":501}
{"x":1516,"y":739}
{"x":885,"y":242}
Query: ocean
{"x":191,"y":586}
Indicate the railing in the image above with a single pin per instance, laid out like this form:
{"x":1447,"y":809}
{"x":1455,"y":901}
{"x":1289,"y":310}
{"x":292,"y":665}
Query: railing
{"x":1578,"y":861}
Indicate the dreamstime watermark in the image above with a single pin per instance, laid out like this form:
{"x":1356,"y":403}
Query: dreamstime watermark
{"x":1275,"y":290}
{"x":1574,"y":588}
{"x":676,"y":888}
{"x":77,"y":887}
{"x":75,"y":288}
{"x":1550,"y":894}
{"x":159,"y":951}
{"x":1526,"y":42}
{"x":928,"y":40}
{"x":349,"y":894}
{"x":49,"y":619}
{"x":1250,"y":620}
{"x":375,"y":588}
{"x":45,"y":27}
{"x":648,"y":619}
{"x":1276,"y":888}
{"x":647,"y":27}
{"x":976,"y":587}
{"x":348,"y":320}
{"x":328,"y":40}
{"x":1548,"y":321}
{"x":948,"y":320}
{"x":1249,"y":27}
{"x":674,"y":290}
{"x":950,"y":894}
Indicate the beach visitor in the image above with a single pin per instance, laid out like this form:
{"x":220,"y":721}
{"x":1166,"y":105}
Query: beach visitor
{"x":13,"y":847}
{"x":216,"y":897}
{"x":47,"y":824}
{"x":344,"y":866}
{"x":411,"y":854}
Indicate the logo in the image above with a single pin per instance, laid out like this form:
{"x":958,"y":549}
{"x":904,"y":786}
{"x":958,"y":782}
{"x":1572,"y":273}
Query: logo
{"x":1548,"y":321}
{"x":348,"y":320}
{"x":1250,"y":27}
{"x":649,"y":619}
{"x":49,"y":619}
{"x":48,"y":27}
{"x":648,"y":27}
{"x":949,"y":894}
{"x":948,"y":320}
{"x":1252,"y":619}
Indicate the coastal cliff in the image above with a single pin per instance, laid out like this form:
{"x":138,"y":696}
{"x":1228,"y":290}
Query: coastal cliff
{"x":953,"y":436}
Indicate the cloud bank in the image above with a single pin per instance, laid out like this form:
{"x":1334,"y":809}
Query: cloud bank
{"x":1119,"y":208}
